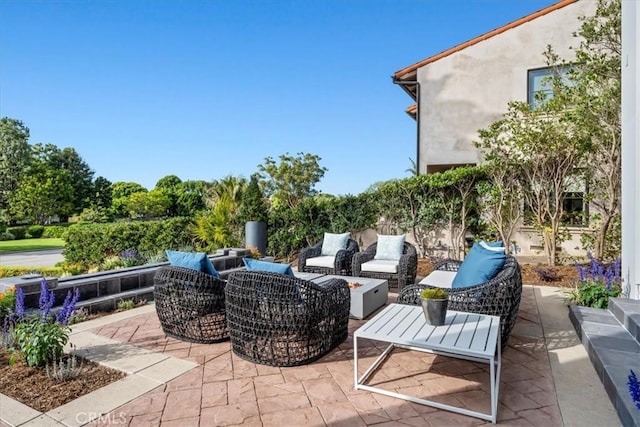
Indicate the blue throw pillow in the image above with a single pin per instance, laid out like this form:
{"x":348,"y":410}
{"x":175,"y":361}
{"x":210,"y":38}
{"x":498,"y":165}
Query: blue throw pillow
{"x":273,"y":267}
{"x":481,"y":264}
{"x":497,"y":244}
{"x":194,"y":260}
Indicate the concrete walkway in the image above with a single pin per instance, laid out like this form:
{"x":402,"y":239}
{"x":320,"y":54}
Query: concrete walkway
{"x":547,"y":380}
{"x":41,"y":258}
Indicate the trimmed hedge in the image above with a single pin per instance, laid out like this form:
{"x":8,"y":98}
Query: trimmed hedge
{"x":56,"y":231}
{"x":19,"y":233}
{"x":90,"y":244}
{"x":35,"y":231}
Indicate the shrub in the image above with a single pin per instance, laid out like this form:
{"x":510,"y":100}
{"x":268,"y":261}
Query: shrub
{"x":5,"y":235}
{"x":18,"y":232}
{"x":35,"y":231}
{"x":64,"y":368}
{"x":42,"y":337}
{"x":6,"y":271}
{"x":89,"y":244}
{"x":125,"y":304}
{"x":7,"y":303}
{"x":547,"y":274}
{"x":56,"y":231}
{"x":596,"y":284}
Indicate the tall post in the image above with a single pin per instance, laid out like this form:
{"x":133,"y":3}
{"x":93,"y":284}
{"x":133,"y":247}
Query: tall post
{"x":630,"y":150}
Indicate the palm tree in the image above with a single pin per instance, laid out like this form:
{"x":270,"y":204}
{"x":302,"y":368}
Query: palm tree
{"x":413,"y":170}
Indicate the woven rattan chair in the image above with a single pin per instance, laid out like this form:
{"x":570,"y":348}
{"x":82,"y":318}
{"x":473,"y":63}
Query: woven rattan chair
{"x":341,"y":262}
{"x":280,"y":320}
{"x":190,"y":305}
{"x":407,"y":266}
{"x":499,"y":296}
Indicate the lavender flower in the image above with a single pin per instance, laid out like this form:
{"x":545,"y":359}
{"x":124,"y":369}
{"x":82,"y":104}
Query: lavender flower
{"x":19,"y":303}
{"x":68,"y":307}
{"x":582,"y":272}
{"x":129,"y":254}
{"x":47,"y":300}
{"x":634,"y":389}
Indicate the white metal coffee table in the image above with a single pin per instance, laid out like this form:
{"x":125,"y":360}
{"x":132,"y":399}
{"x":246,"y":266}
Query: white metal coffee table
{"x":467,"y":336}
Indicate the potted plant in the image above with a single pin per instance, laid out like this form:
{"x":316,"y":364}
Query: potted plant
{"x":434,"y":305}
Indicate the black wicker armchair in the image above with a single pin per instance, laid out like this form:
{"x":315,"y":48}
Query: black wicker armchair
{"x":341,"y":263}
{"x":190,"y":305}
{"x":280,"y":320}
{"x":499,"y":296}
{"x":406,"y":272}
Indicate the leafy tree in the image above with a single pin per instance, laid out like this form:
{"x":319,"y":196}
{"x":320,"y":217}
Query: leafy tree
{"x":293,"y":179}
{"x":457,"y":190}
{"x":120,"y":192}
{"x":170,"y":186}
{"x":102,"y":193}
{"x":152,"y":204}
{"x":15,"y":156}
{"x":79,"y":173}
{"x":254,"y":206}
{"x":191,"y":198}
{"x":168,"y":182}
{"x":501,"y":200}
{"x":595,"y":96}
{"x":43,"y":194}
{"x":412,"y":205}
{"x":543,"y":147}
{"x":125,"y":189}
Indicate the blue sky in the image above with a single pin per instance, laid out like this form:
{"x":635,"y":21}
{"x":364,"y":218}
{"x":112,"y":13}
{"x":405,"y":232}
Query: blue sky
{"x":205,"y":89}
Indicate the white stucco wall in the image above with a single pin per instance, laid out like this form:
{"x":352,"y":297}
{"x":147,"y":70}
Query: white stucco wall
{"x":470,"y":89}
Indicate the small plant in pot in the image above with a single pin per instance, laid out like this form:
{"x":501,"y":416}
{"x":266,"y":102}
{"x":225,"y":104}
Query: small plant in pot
{"x":434,"y":305}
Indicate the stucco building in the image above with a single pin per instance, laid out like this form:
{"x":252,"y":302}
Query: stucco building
{"x":467,"y":87}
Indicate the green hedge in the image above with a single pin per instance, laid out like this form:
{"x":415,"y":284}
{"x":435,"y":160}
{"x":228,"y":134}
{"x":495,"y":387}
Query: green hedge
{"x":57,"y":231}
{"x":19,"y":233}
{"x":35,"y":231}
{"x":89,"y":244}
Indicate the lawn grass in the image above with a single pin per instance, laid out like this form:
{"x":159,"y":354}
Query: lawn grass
{"x":30,"y":244}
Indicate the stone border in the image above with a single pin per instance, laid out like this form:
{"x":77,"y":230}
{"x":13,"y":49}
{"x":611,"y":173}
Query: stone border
{"x":146,"y":371}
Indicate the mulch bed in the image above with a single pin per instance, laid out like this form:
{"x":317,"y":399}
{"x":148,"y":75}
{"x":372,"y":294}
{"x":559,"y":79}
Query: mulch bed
{"x":34,"y":388}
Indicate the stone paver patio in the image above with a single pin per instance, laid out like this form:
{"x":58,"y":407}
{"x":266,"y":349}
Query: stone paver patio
{"x":547,"y":380}
{"x":227,"y":390}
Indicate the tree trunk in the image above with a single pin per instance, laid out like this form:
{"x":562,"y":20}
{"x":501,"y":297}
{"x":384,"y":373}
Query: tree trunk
{"x":601,"y":236}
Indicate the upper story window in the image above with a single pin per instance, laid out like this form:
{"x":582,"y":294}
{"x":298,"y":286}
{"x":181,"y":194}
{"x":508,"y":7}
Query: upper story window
{"x":540,"y":84}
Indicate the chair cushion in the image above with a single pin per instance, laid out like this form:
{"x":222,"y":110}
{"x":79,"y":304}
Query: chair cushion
{"x":332,"y":243}
{"x":272,"y":267}
{"x":380,"y":266}
{"x":439,"y":279}
{"x":497,"y":244}
{"x":322,"y":261}
{"x":389,"y":247}
{"x":194,"y":260}
{"x":481,"y":264}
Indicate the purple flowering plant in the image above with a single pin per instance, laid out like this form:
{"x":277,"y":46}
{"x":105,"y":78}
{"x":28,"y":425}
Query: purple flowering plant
{"x":596,"y":283}
{"x":634,"y":389}
{"x":42,"y":337}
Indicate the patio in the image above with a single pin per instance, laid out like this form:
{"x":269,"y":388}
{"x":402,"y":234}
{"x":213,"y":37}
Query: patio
{"x":547,"y":379}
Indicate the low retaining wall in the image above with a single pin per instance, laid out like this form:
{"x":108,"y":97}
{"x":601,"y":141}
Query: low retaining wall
{"x":106,"y":286}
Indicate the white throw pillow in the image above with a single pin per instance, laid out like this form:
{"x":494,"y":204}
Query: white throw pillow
{"x":390,"y":247}
{"x":332,"y":243}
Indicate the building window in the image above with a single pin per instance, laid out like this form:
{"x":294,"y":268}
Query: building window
{"x":540,"y":85}
{"x":574,"y":204}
